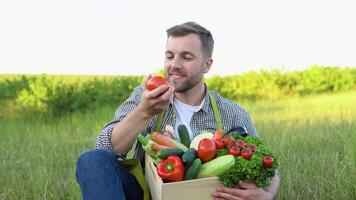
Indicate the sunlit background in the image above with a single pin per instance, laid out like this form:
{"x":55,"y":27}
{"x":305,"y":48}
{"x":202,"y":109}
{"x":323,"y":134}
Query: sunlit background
{"x":306,"y":118}
{"x":128,"y":37}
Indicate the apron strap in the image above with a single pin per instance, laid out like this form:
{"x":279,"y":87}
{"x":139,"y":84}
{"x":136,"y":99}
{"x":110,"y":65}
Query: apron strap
{"x":159,"y":122}
{"x":216,"y":111}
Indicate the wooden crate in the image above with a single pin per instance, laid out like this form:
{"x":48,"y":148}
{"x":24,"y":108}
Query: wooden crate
{"x":188,"y":190}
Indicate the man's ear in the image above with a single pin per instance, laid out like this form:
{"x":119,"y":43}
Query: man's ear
{"x":207,"y":65}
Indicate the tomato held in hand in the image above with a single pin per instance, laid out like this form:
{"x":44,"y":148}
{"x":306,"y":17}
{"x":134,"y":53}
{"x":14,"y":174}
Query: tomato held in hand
{"x":267,"y":161}
{"x":206,"y":150}
{"x":156,"y":81}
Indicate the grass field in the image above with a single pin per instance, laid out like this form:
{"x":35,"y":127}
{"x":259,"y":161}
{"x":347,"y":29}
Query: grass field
{"x":314,"y":137}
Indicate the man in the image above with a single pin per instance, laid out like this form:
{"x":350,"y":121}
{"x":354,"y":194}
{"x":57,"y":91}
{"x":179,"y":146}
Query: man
{"x":186,"y":101}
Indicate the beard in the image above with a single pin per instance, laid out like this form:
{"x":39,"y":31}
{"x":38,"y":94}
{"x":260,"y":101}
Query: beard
{"x":184,"y":85}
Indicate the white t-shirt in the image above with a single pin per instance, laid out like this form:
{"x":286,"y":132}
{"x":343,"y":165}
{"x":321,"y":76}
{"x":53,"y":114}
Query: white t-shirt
{"x":184,"y":115}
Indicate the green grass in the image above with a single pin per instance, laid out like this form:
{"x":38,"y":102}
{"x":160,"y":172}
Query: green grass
{"x":314,"y":137}
{"x":38,"y":157}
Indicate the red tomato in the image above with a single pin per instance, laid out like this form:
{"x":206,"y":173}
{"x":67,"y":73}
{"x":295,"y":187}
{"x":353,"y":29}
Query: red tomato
{"x":156,"y":81}
{"x":240,"y":143}
{"x":234,"y":151}
{"x":219,"y":143}
{"x":206,"y":150}
{"x":252,"y":147}
{"x":267,"y":161}
{"x":228,"y":141}
{"x":246,"y":154}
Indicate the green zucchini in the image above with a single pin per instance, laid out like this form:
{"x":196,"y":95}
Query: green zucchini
{"x":192,"y":171}
{"x":184,"y":135}
{"x":216,"y":166}
{"x":189,"y":156}
{"x":164,"y":153}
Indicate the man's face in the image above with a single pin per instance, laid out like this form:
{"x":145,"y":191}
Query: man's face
{"x":185,"y":63}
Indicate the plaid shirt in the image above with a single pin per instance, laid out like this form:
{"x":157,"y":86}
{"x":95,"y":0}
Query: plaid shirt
{"x":232,"y":115}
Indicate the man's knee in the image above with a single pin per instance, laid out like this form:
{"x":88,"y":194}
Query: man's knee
{"x":94,"y":157}
{"x":93,"y":160}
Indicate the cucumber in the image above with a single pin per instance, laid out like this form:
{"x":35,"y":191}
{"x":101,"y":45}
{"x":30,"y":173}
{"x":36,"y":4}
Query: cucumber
{"x":157,"y":161}
{"x":189,"y":156}
{"x":192,"y":171}
{"x":216,"y":166}
{"x":164,"y":153}
{"x":184,"y":135}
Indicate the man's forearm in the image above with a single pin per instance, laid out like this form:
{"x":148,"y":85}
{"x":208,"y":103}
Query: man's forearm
{"x":125,"y":132}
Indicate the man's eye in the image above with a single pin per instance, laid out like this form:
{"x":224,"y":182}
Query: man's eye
{"x":188,"y":57}
{"x":169,"y":56}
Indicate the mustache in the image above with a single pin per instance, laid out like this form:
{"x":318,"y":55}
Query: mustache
{"x":176,"y":72}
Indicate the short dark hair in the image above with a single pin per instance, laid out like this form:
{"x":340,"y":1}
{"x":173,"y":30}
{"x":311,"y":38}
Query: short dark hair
{"x":205,"y":36}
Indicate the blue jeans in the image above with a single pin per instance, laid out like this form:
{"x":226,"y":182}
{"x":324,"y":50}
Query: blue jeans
{"x":101,"y":176}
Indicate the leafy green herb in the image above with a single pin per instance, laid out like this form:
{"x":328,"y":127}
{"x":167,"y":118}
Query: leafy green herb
{"x":250,"y":170}
{"x":222,"y":152}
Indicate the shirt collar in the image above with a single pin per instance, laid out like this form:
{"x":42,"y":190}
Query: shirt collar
{"x":206,"y":106}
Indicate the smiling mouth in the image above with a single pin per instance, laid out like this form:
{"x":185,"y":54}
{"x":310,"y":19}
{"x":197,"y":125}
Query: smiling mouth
{"x":175,"y":78}
{"x":176,"y":75}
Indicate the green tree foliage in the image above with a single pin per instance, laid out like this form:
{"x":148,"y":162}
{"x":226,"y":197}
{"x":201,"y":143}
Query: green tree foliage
{"x":60,"y":95}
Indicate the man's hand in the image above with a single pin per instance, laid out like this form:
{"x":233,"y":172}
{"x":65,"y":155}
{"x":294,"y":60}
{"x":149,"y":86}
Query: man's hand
{"x":155,"y":101}
{"x":243,"y":190}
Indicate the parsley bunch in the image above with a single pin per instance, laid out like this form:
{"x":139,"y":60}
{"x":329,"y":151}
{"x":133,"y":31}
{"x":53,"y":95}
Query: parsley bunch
{"x":252,"y":169}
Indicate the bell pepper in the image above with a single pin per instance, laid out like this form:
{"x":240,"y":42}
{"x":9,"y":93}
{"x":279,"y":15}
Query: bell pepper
{"x":171,"y":169}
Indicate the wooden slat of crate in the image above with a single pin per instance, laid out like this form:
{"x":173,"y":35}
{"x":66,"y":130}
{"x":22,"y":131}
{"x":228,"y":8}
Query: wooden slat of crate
{"x":188,"y":190}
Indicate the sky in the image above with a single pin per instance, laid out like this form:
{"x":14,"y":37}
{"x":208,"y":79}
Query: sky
{"x":115,"y":37}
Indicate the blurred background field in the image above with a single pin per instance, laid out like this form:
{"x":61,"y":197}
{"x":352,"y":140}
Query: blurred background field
{"x":307,"y":117}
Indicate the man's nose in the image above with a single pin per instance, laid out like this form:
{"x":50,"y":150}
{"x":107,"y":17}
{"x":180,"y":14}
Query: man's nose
{"x":176,"y":63}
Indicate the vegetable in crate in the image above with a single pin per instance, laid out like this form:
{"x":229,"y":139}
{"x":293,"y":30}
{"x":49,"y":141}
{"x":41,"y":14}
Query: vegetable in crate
{"x":171,"y":169}
{"x":147,"y":145}
{"x":206,"y":150}
{"x":184,"y":135}
{"x":164,"y":153}
{"x":189,"y":156}
{"x":216,"y":166}
{"x":193,"y":170}
{"x":253,"y":161}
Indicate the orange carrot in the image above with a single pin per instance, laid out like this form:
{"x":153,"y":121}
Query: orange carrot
{"x":218,"y":135}
{"x":162,"y":140}
{"x":156,"y":147}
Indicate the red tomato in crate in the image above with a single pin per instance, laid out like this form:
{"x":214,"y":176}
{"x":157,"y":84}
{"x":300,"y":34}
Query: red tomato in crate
{"x":240,"y":143}
{"x":252,"y":147}
{"x":206,"y":150}
{"x":246,"y":153}
{"x":267,"y":161}
{"x":156,"y":81}
{"x":219,"y":143}
{"x":228,"y":141}
{"x":234,"y":151}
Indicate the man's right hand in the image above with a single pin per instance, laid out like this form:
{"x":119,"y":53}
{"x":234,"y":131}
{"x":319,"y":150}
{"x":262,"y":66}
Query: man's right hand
{"x":152,"y":103}
{"x":155,"y":101}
